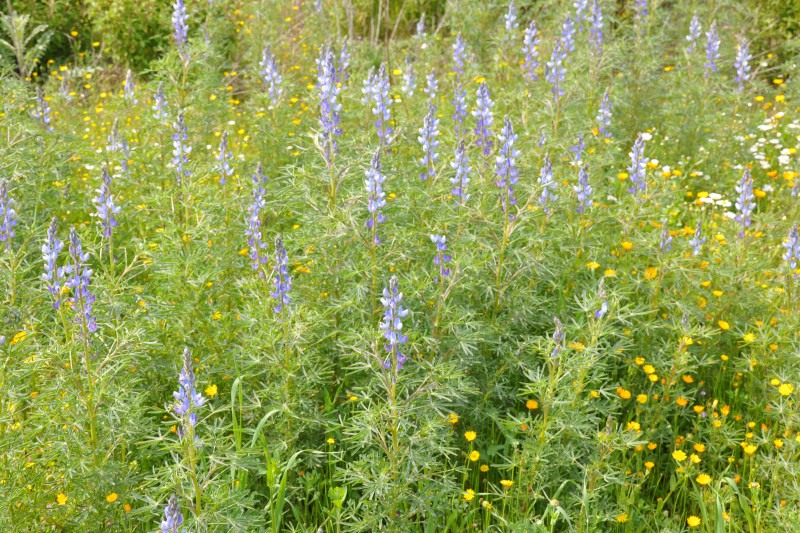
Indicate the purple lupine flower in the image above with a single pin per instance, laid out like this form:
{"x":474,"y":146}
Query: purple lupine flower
{"x":640,"y":8}
{"x":604,"y":114}
{"x":542,"y":139}
{"x":63,"y":89}
{"x":104,"y":202}
{"x":318,"y":6}
{"x":180,"y":28}
{"x":577,"y":149}
{"x":420,"y":27}
{"x":792,"y":245}
{"x":431,"y":86}
{"x":343,"y":66}
{"x":506,"y":169}
{"x":511,"y":18}
{"x":698,"y":240}
{"x":409,"y":80}
{"x":484,"y":119}
{"x":742,"y":63}
{"x":548,"y":184}
{"x":745,"y":203}
{"x":638,"y":168}
{"x":283,"y":281}
{"x":382,"y":100}
{"x":189,"y":400}
{"x":52,"y":272}
{"x":601,"y":295}
{"x":180,"y":149}
{"x":583,"y":190}
{"x":392,"y":326}
{"x":257,"y":247}
{"x":596,"y":28}
{"x":129,"y":89}
{"x":117,"y":144}
{"x":376,"y":198}
{"x":78,"y":277}
{"x":441,"y":258}
{"x":666,"y":239}
{"x":459,"y":109}
{"x":223,"y":159}
{"x":428,"y":138}
{"x":694,"y":33}
{"x":160,"y":104}
{"x":173,"y":519}
{"x":712,"y":49}
{"x":8,"y":216}
{"x":558,"y":339}
{"x":555,"y":70}
{"x":530,"y":49}
{"x":271,"y":75}
{"x":568,"y":31}
{"x":328,"y":107}
{"x":43,"y":110}
{"x":461,"y":178}
{"x":580,"y":6}
{"x":369,"y":87}
{"x":459,"y":51}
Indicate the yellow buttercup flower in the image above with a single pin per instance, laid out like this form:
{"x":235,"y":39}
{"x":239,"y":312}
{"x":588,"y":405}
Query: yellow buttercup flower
{"x":474,"y":455}
{"x":679,"y":455}
{"x":506,"y":483}
{"x":693,"y":521}
{"x":211,"y":391}
{"x":786,"y":389}
{"x":469,"y":494}
{"x":703,"y":479}
{"x":470,"y":436}
{"x":61,"y":498}
{"x":111,"y":498}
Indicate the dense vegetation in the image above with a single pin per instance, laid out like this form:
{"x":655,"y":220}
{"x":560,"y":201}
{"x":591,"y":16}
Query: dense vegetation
{"x":329,"y":266}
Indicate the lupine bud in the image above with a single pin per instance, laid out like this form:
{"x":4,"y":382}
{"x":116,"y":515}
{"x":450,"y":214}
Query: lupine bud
{"x":382,"y":101}
{"x":343,"y":66}
{"x":283,"y":281}
{"x":577,"y":149}
{"x":511,"y":17}
{"x":568,"y":31}
{"x":507,"y":173}
{"x":601,"y":295}
{"x":555,"y":70}
{"x":420,"y":26}
{"x":431,"y":87}
{"x":558,"y":338}
{"x":392,"y":326}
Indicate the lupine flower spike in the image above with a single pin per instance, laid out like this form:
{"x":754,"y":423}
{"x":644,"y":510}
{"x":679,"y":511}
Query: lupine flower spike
{"x":596,"y":29}
{"x":223,"y":158}
{"x":8,"y":216}
{"x":343,"y":66}
{"x":459,"y":109}
{"x":461,"y":179}
{"x":712,"y":49}
{"x":666,"y":238}
{"x":180,"y":28}
{"x":507,"y":172}
{"x":694,"y":33}
{"x":180,"y":149}
{"x":548,"y":185}
{"x":601,"y":295}
{"x":160,"y":104}
{"x":511,"y":19}
{"x":283,"y":281}
{"x":43,"y":109}
{"x":583,"y":190}
{"x":189,"y":400}
{"x":431,"y":86}
{"x":256,"y":246}
{"x":484,"y":119}
{"x":409,"y":79}
{"x":173,"y":519}
{"x":392,"y":326}
{"x":271,"y":75}
{"x":698,"y":240}
{"x":558,"y":339}
{"x":555,"y":71}
{"x":459,"y":51}
{"x":792,"y":246}
{"x":428,"y":139}
{"x":329,"y":108}
{"x":742,"y":63}
{"x":745,"y":203}
{"x":441,"y":259}
{"x":382,"y":101}
{"x":376,"y":198}
{"x":53,"y":274}
{"x":638,"y":168}
{"x":604,"y":115}
{"x":129,"y":89}
{"x":104,"y":202}
{"x":78,"y":278}
{"x":530,"y":50}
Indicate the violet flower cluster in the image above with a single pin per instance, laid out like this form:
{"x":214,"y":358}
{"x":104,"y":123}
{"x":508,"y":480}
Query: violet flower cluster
{"x":431,"y":86}
{"x":43,"y":110}
{"x":601,"y":295}
{"x":666,"y":239}
{"x":548,"y":184}
{"x":461,"y":179}
{"x":459,"y":53}
{"x":329,"y":108}
{"x":180,"y":149}
{"x":792,"y":246}
{"x":742,"y":63}
{"x":604,"y":114}
{"x":530,"y":44}
{"x":223,"y":159}
{"x":712,"y":49}
{"x":129,"y":89}
{"x":189,"y":400}
{"x":409,"y":79}
{"x":428,"y":139}
{"x":583,"y":190}
{"x":376,"y":198}
{"x":173,"y":519}
{"x":596,"y":29}
{"x":160,"y":104}
{"x":180,"y":28}
{"x":392,"y":326}
{"x":256,"y":246}
{"x":271,"y":75}
{"x":104,"y":203}
{"x":484,"y":119}
{"x":697,"y":240}
{"x":638,"y":168}
{"x":52,"y":272}
{"x":283,"y":281}
{"x":505,"y":168}
{"x":558,"y":339}
{"x":382,"y":100}
{"x":8,"y":216}
{"x":745,"y":203}
{"x":78,"y":277}
{"x":555,"y":70}
{"x":511,"y":18}
{"x":694,"y":33}
{"x":459,"y":109}
{"x":441,"y":259}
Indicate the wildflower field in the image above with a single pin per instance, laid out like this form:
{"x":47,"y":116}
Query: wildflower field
{"x":444,"y":266}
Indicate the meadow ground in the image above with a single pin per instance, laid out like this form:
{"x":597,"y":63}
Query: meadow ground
{"x":338,"y":266}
